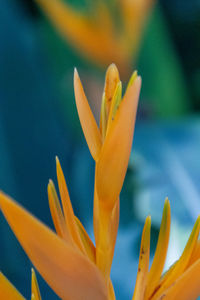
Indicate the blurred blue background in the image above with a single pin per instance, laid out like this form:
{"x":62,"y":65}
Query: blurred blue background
{"x":38,"y":120}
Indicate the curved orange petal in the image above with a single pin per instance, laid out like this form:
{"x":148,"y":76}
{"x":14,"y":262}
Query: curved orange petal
{"x":161,"y":251}
{"x":7,"y":290}
{"x":143,"y":262}
{"x":69,"y":273}
{"x":114,"y":156}
{"x":88,"y":123}
{"x":88,"y":244}
{"x":111,"y":291}
{"x":106,"y":234}
{"x":186,"y":287}
{"x":57,"y":214}
{"x":111,"y":81}
{"x":195,"y":254}
{"x":181,"y":265}
{"x":67,"y":208}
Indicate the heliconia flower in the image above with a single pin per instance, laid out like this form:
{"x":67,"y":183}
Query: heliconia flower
{"x":87,"y":33}
{"x":68,"y":260}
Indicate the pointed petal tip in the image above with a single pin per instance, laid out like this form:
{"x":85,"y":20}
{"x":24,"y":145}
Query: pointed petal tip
{"x":58,"y":165}
{"x":148,"y":222}
{"x":113,"y":67}
{"x":50,"y":182}
{"x":76,"y":75}
{"x":134,"y":79}
{"x":138,"y":80}
{"x":167,"y":207}
{"x":4,"y":199}
{"x":167,"y":200}
{"x":112,"y":70}
{"x":148,"y":225}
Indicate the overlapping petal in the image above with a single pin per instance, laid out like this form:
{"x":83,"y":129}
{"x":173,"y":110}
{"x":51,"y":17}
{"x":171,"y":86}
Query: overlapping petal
{"x":143,"y":262}
{"x":69,"y":273}
{"x":114,"y":156}
{"x":161,"y":251}
{"x":186,"y":287}
{"x":88,"y":123}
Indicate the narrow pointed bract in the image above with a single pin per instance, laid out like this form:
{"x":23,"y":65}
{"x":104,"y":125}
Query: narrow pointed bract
{"x":87,"y":119}
{"x":161,"y":251}
{"x":143,"y":262}
{"x":57,"y":214}
{"x":35,"y":292}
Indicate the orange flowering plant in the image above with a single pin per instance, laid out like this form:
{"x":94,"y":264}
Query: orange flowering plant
{"x":68,"y":260}
{"x":88,"y":32}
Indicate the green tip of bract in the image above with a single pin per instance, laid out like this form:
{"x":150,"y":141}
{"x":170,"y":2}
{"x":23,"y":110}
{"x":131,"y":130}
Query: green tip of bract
{"x":132,"y":79}
{"x":166,"y":210}
{"x":117,"y":98}
{"x":148,"y":222}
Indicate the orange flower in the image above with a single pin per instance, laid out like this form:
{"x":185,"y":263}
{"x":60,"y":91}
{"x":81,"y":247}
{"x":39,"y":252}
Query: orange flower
{"x":97,"y":36}
{"x":70,"y":263}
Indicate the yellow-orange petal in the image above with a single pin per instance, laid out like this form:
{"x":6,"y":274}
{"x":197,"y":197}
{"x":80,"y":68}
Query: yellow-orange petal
{"x":69,"y":273}
{"x":114,"y":225}
{"x":180,"y":266}
{"x":161,"y":251}
{"x":88,"y":123}
{"x":57,"y":214}
{"x":106,"y":233}
{"x":33,"y":297}
{"x":67,"y":208}
{"x":7,"y":290}
{"x":88,"y":244}
{"x":111,"y":81}
{"x":104,"y":253}
{"x":111,"y":291}
{"x":116,"y":100}
{"x":186,"y":287}
{"x":103,"y":118}
{"x":34,"y":286}
{"x":195,"y":254}
{"x":114,"y":156}
{"x":143,"y":266}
